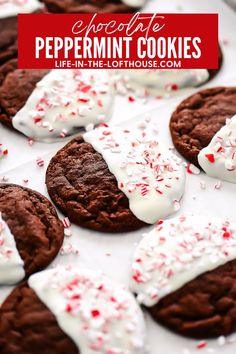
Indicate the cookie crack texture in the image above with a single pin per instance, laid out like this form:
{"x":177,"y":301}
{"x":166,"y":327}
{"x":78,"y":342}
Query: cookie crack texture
{"x":16,"y":87}
{"x":27,"y":326}
{"x":8,"y":38}
{"x":34,"y":223}
{"x":203,"y":308}
{"x":81,"y":185}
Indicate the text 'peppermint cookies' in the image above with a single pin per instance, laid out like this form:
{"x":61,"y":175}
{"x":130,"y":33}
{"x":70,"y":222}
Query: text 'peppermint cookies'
{"x":30,"y":233}
{"x":9,"y":9}
{"x":199,"y":117}
{"x":115,"y":180}
{"x":93,"y":6}
{"x":47,"y":105}
{"x":71,"y":311}
{"x":184,"y":273}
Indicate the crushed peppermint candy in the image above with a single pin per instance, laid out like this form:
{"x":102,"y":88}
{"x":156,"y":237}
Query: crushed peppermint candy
{"x":131,"y":98}
{"x":40,"y":162}
{"x":97,"y":314}
{"x":66,"y":222}
{"x":11,"y":264}
{"x":154,"y":82}
{"x":221,"y":341}
{"x":218,"y":185}
{"x":201,"y":344}
{"x":218,"y":159}
{"x":3,"y":151}
{"x":68,"y":232}
{"x":68,"y":249}
{"x":10,"y":8}
{"x":178,"y":250}
{"x":151,"y":176}
{"x":63,"y":102}
{"x":192,"y":170}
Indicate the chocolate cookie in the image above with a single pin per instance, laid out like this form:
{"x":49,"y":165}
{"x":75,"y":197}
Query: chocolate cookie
{"x":71,"y":311}
{"x":27,"y":326}
{"x":88,"y":6}
{"x":199,"y":117}
{"x":9,"y":31}
{"x":16,"y":85}
{"x":8,"y":39}
{"x":115,"y":180}
{"x":81,"y":185}
{"x":204,"y":308}
{"x":34,"y":224}
{"x":183,"y":273}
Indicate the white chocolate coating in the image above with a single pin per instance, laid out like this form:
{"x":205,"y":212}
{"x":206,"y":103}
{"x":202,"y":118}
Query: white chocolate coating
{"x":160,"y":82}
{"x":134,"y":3}
{"x":63,"y":101}
{"x":177,"y":251}
{"x":151,"y":177}
{"x":11,"y":8}
{"x":218,"y":159}
{"x":11,"y":264}
{"x":99,"y":315}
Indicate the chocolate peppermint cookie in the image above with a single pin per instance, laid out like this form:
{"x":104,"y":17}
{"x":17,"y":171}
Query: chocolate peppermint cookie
{"x":30,"y":233}
{"x":71,"y":311}
{"x":115,"y":180}
{"x":49,"y":104}
{"x":9,"y":9}
{"x":183,"y":273}
{"x":199,"y":117}
{"x":93,"y":6}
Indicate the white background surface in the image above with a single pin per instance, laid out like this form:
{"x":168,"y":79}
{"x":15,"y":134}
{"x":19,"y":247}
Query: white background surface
{"x":112,"y":253}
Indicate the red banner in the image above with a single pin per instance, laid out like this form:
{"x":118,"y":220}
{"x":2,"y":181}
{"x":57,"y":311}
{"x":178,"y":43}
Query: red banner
{"x":118,"y":41}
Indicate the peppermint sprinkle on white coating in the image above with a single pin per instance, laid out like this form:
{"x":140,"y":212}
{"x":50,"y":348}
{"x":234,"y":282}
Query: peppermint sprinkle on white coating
{"x":218,"y":159}
{"x":64,"y":101}
{"x":99,"y":315}
{"x":157,"y":83}
{"x":134,"y":3}
{"x":151,"y":177}
{"x":10,"y":8}
{"x":178,"y":250}
{"x":11,"y":264}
